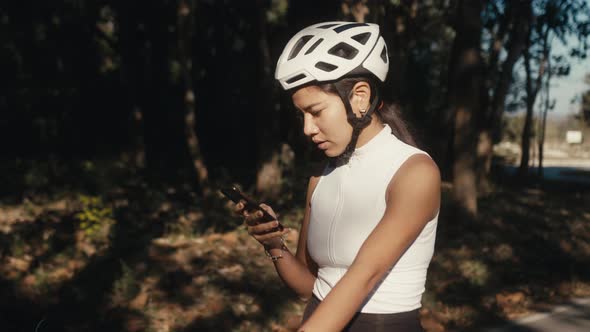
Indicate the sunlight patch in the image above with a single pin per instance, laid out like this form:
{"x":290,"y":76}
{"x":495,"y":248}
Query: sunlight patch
{"x":475,"y":271}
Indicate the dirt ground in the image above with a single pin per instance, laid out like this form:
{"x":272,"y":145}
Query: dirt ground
{"x":130,"y":256}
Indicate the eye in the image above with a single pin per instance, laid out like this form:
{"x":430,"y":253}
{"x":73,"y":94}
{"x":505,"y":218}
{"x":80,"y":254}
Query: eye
{"x":316,"y":113}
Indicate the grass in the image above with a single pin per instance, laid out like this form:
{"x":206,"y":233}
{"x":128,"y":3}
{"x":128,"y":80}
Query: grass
{"x":166,"y":264}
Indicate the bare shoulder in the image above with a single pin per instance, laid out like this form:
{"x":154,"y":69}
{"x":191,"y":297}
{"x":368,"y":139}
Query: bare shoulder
{"x":416,"y":183}
{"x":418,"y":168}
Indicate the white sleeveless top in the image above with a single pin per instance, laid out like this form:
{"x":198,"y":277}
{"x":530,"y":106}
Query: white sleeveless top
{"x":346,"y":205}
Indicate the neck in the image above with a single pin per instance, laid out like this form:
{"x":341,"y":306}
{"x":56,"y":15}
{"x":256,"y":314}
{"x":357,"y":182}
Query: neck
{"x":369,"y":132}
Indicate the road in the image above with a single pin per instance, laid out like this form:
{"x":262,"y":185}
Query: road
{"x":570,"y":317}
{"x":573,"y":316}
{"x":561,"y":170}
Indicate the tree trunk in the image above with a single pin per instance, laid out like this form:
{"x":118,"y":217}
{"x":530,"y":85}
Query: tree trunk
{"x":526,"y":131}
{"x":464,"y":174}
{"x":530,"y":103}
{"x":300,"y":13}
{"x":464,"y":94}
{"x":485,"y":153}
{"x":546,"y":109}
{"x":129,"y":48}
{"x":491,"y":124}
{"x":186,"y":28}
{"x":269,"y":176}
{"x":138,"y":142}
{"x":532,"y":89}
{"x":516,"y":45}
{"x":146,"y":45}
{"x":355,"y":10}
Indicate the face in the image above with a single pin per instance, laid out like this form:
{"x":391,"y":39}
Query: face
{"x":324,"y":119}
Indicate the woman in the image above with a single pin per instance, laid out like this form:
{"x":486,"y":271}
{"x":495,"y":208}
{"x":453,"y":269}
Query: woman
{"x":369,"y":228}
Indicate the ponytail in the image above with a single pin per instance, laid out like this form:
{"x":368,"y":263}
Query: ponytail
{"x":388,"y":113}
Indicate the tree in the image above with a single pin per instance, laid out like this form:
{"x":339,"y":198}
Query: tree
{"x":507,"y":27}
{"x":532,"y":88}
{"x":547,"y":105}
{"x":148,"y":45}
{"x":269,"y":175}
{"x":186,"y":32}
{"x":552,"y":19}
{"x":585,"y":103}
{"x":465,"y":89}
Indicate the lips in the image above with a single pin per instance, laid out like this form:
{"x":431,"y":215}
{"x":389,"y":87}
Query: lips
{"x":321,"y":144}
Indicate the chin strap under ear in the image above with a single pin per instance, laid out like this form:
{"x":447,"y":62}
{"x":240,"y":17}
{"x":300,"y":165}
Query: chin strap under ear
{"x":358,"y":124}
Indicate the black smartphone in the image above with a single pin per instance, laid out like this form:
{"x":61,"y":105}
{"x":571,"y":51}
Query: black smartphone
{"x":236,"y":196}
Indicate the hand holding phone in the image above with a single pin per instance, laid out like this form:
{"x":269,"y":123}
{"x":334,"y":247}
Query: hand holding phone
{"x":236,"y":196}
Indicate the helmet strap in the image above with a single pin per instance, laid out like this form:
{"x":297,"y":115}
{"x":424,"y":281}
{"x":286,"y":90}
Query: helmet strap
{"x":358,"y":124}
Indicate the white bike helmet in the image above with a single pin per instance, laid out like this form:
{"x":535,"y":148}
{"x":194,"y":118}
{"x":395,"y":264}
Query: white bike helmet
{"x":331,"y":50}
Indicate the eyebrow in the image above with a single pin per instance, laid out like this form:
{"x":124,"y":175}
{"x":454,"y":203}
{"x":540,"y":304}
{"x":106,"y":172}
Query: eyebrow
{"x":308,"y":107}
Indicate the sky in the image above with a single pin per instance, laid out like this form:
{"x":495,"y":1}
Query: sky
{"x":563,"y":89}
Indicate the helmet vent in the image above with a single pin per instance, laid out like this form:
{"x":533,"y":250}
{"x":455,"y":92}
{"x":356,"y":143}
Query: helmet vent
{"x":325,"y":66}
{"x":384,"y":54}
{"x":343,"y":50}
{"x":298,"y":46}
{"x":314,"y":46}
{"x":362,"y":38}
{"x":296,"y":78}
{"x":349,"y":26}
{"x":327,"y":26}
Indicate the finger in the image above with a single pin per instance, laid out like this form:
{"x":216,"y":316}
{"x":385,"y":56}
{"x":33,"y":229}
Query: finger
{"x":253,"y":218}
{"x":264,"y":227}
{"x":238,"y":208}
{"x":246,"y":221}
{"x":248,"y":214}
{"x":274,"y":233}
{"x":265,"y":238}
{"x":268,"y":209}
{"x":268,"y":236}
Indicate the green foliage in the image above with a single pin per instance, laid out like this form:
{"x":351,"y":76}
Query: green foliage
{"x":512,"y":125}
{"x":277,"y":11}
{"x":94,"y":216}
{"x":42,"y":282}
{"x":126,"y":287}
{"x":37,"y":176}
{"x":88,"y":166}
{"x":18,"y":246}
{"x":475,"y":271}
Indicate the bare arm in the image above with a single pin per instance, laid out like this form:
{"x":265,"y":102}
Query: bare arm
{"x":413,"y":199}
{"x":297,"y":271}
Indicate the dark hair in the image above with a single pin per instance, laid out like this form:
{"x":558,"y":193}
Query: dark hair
{"x":389,"y":113}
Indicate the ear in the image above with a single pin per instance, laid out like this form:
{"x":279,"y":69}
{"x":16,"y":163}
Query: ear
{"x":360,"y":95}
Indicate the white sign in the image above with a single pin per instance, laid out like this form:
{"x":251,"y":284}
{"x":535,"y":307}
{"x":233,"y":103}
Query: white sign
{"x":573,"y":137}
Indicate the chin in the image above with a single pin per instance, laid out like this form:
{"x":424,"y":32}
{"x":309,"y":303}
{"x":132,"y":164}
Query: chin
{"x":331,"y":153}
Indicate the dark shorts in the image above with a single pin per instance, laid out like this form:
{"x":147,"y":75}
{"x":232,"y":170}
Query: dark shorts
{"x":398,"y":322}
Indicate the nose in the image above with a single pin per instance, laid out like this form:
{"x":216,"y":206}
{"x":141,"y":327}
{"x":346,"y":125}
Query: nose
{"x":309,"y":126}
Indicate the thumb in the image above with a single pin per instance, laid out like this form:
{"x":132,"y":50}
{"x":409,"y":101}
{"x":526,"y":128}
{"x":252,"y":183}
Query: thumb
{"x":269,"y":210}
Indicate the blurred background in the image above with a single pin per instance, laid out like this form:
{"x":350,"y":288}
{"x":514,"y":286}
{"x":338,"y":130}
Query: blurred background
{"x":120,"y":120}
